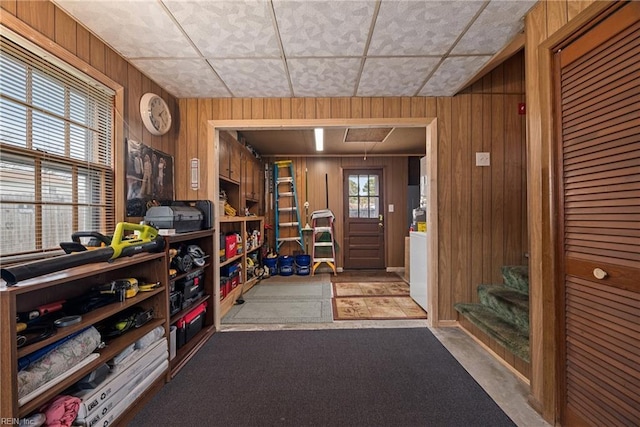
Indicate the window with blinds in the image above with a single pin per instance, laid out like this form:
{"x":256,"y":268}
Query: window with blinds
{"x":56,"y":173}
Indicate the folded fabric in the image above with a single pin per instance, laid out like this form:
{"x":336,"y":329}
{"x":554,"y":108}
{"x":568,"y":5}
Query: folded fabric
{"x":61,"y":411}
{"x":58,"y":361}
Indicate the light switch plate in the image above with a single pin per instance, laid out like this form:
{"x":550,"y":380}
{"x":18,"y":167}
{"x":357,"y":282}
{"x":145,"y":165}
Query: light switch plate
{"x":391,"y":208}
{"x":483,"y":159}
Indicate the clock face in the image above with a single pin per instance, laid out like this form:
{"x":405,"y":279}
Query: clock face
{"x":155,"y":114}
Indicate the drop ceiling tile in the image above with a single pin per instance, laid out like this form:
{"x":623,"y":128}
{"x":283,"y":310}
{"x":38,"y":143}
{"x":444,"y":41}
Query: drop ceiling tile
{"x":183,"y":78}
{"x":324,"y":77}
{"x":400,"y":76}
{"x":253,"y":78}
{"x":324,"y":28}
{"x":452,"y":73}
{"x":136,"y":29}
{"x":420,"y":27}
{"x":498,"y":23}
{"x":229,"y":29}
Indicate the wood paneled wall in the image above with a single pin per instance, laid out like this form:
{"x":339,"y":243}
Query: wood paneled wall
{"x":482,"y":210}
{"x":44,"y":20}
{"x":482,"y":214}
{"x":547,"y":20}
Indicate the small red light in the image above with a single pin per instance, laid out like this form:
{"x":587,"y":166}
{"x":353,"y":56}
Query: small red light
{"x":522,"y":108}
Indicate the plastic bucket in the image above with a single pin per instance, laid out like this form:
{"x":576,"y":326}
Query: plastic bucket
{"x":303,"y":265}
{"x":286,"y":265}
{"x":272,"y":265}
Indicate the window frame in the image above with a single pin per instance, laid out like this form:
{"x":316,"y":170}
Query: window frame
{"x":61,"y":58}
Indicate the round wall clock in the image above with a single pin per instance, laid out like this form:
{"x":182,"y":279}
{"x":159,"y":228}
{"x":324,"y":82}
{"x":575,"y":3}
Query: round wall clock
{"x":155,"y":114}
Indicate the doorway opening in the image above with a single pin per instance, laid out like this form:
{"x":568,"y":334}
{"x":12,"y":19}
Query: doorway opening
{"x":430,"y":128}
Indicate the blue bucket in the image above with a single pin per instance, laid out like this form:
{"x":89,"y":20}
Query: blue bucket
{"x":303,"y":265}
{"x":286,"y":265}
{"x":272,"y":265}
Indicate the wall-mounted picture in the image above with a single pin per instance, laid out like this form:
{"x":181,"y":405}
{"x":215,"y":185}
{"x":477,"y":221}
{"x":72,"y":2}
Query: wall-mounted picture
{"x":149,"y":177}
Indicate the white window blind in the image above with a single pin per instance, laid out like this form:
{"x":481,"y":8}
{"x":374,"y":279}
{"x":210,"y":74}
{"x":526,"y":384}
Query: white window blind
{"x":56,"y":173}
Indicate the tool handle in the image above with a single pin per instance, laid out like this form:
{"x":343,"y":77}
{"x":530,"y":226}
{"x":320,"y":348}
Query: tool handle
{"x":146,"y":233}
{"x":78,"y":234}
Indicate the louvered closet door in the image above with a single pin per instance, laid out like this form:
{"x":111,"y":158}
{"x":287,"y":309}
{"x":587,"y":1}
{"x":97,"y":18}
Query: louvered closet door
{"x":599,"y":107}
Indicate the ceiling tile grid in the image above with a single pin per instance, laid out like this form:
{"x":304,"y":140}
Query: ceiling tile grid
{"x":135,"y":29}
{"x":304,"y":48}
{"x":246,"y":77}
{"x":323,"y":28}
{"x":234,"y":29}
{"x":494,"y":28}
{"x":191,"y":78}
{"x":394,"y":76}
{"x":453,"y":72}
{"x":324,"y":77}
{"x":420,"y":27}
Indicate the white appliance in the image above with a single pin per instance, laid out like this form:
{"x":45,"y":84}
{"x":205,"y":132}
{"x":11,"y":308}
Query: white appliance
{"x":418,"y":271}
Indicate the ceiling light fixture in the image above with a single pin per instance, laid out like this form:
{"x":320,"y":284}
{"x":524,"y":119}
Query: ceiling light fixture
{"x":319,"y":134}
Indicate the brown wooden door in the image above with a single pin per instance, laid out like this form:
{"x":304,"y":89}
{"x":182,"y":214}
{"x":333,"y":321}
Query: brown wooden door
{"x":363,"y":219}
{"x":598,"y":102}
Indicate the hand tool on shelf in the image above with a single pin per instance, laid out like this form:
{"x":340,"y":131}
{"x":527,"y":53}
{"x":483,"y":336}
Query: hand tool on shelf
{"x":121,"y":245}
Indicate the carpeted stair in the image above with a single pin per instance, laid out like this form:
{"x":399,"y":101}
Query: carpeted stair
{"x":503,"y":311}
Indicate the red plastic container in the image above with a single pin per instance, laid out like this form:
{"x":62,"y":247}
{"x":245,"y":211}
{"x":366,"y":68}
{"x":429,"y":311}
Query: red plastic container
{"x":230,"y":246}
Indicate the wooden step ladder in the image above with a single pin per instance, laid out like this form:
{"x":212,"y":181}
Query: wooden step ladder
{"x":287,"y":215}
{"x":323,"y":249}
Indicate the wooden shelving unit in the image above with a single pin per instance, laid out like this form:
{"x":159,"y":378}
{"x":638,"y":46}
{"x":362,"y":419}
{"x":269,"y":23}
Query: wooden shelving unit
{"x":240,"y":175}
{"x":31,"y":293}
{"x":242,"y":225}
{"x":204,"y":239}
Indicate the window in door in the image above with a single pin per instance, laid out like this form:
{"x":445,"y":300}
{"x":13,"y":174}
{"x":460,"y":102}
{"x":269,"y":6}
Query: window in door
{"x":364,"y":196}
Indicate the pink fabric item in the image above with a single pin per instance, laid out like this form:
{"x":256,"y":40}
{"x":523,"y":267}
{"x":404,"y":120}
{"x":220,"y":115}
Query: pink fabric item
{"x":61,"y":411}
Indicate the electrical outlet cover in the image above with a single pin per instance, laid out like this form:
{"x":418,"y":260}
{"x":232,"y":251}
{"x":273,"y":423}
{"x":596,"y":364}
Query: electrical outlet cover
{"x":483,"y":159}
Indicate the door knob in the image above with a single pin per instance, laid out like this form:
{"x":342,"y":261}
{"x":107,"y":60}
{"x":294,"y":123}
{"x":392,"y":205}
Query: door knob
{"x":599,"y":273}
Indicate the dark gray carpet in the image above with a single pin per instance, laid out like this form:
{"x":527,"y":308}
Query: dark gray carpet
{"x":363,"y":377}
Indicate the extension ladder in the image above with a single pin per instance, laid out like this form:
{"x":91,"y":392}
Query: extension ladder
{"x":323,"y":248}
{"x":287,"y":214}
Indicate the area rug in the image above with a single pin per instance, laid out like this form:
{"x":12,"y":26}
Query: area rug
{"x":376,"y":308}
{"x":374,"y":301}
{"x":289,"y":291}
{"x":352,"y":289}
{"x":318,"y":378}
{"x":278,"y":302}
{"x":280,"y":311}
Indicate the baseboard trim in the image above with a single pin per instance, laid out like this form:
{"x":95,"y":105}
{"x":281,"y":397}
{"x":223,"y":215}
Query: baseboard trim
{"x":496,"y":356}
{"x":447,"y":324}
{"x":395,"y":269}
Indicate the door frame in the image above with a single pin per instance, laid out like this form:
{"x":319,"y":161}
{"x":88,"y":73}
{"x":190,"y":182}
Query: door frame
{"x":381,"y":169}
{"x":431,"y":134}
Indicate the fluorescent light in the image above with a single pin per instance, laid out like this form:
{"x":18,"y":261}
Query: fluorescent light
{"x":319,"y":134}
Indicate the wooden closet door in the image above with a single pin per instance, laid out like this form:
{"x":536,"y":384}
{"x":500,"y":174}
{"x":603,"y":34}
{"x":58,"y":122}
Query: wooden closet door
{"x":598,"y":107}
